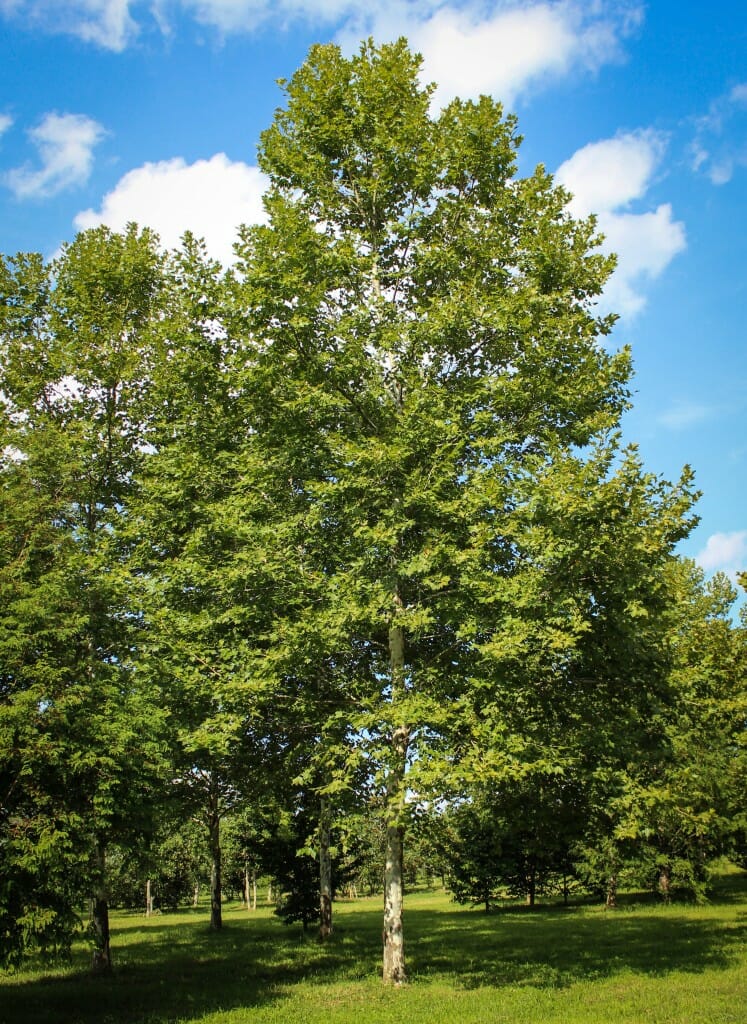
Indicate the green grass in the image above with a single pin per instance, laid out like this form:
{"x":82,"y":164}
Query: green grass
{"x":642,"y":963}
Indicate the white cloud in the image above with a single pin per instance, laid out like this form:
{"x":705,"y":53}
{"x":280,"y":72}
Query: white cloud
{"x":6,"y":122}
{"x":606,"y":175}
{"x":106,"y":23}
{"x":605,"y":178}
{"x":720,"y":143}
{"x":495,"y":46}
{"x":65,"y":143}
{"x":726,"y":552}
{"x":210,"y":198}
{"x":230,"y":16}
{"x":501,"y":49}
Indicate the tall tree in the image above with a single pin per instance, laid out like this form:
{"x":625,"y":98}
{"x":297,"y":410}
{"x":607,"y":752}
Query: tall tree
{"x":425,"y":360}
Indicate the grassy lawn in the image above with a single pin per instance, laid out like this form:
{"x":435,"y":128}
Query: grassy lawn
{"x":642,"y":963}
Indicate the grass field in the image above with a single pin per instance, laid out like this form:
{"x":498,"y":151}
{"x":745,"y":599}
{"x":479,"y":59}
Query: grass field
{"x":641,"y":963}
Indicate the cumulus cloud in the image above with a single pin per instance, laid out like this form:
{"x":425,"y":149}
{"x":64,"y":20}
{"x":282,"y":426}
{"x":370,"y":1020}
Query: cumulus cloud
{"x":502,"y":49}
{"x":106,"y":23}
{"x":606,"y":177}
{"x":6,"y":122}
{"x":65,"y":143}
{"x":210,"y":198}
{"x":724,"y":552}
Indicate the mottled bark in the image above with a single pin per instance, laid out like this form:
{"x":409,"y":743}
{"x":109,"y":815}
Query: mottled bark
{"x":148,"y":899}
{"x":393,"y":934}
{"x":325,"y":874}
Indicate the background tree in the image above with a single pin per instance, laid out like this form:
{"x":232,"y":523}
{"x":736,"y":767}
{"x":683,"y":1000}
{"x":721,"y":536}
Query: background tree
{"x":686,"y":810}
{"x":84,"y":753}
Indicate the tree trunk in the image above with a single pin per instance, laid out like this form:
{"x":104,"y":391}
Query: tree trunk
{"x":394,"y":939}
{"x":216,"y":918}
{"x":254,"y":890}
{"x":247,"y":898}
{"x":325,"y":874}
{"x":611,"y":900}
{"x":665,"y":883}
{"x":394,"y":943}
{"x":196,"y":894}
{"x":102,"y":954}
{"x":148,"y":899}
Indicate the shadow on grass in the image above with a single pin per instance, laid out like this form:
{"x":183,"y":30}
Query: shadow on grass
{"x":170,"y":969}
{"x":558,"y":949}
{"x":180,"y":970}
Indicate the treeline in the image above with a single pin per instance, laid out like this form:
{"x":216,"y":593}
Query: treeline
{"x":339,"y":547}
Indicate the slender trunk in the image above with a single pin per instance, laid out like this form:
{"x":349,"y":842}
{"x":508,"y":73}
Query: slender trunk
{"x":247,"y":900}
{"x":665,"y":883}
{"x":611,"y":900}
{"x":196,"y":894}
{"x":216,"y":918}
{"x":254,"y":890}
{"x":325,"y":874}
{"x":148,"y":899}
{"x":102,"y":954}
{"x":394,"y":945}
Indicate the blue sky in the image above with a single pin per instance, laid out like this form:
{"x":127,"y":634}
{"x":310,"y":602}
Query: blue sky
{"x":117,"y":110}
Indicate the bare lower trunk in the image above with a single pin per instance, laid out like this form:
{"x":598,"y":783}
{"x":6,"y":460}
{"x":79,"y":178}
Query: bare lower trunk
{"x":102,"y":954}
{"x":216,"y":916}
{"x":665,"y":883}
{"x":148,"y":899}
{"x":532,"y":888}
{"x":611,"y":900}
{"x":394,"y":940}
{"x":247,"y":898}
{"x":254,"y":890}
{"x":196,"y":894}
{"x":325,"y":875}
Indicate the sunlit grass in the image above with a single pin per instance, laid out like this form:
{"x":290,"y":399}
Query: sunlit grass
{"x":642,"y":963}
